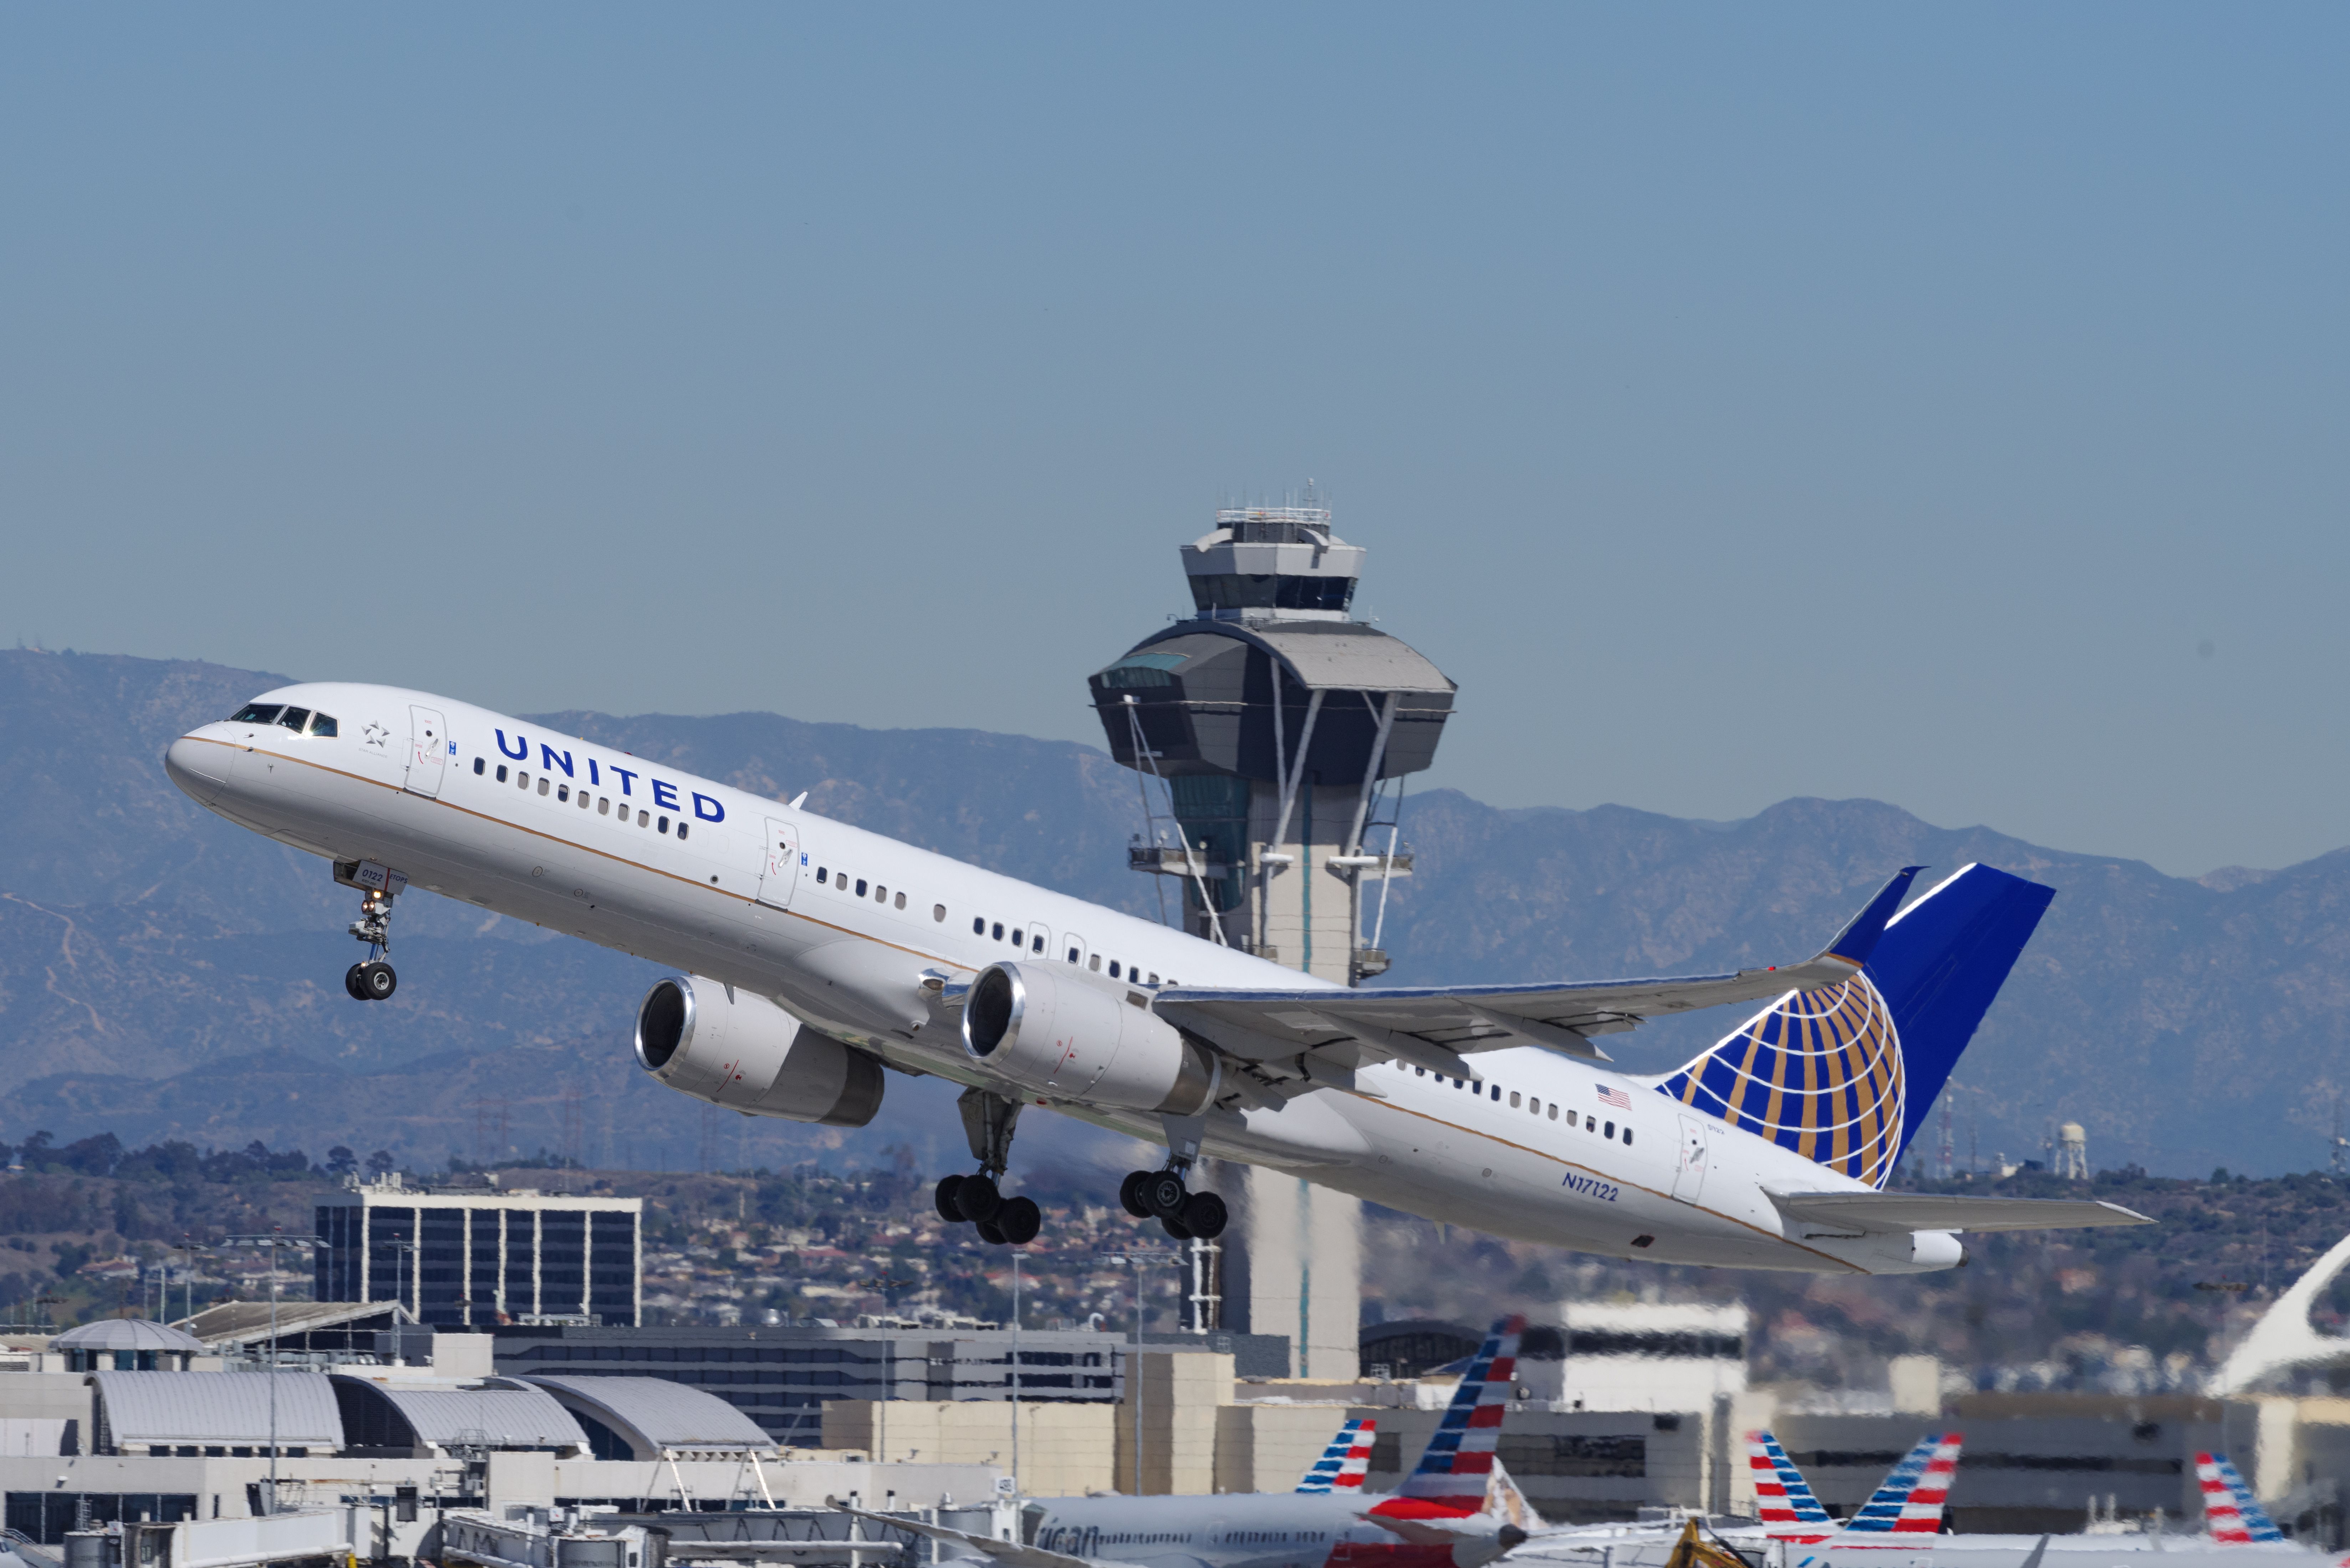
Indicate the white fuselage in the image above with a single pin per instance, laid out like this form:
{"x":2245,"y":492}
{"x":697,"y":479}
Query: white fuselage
{"x":571,"y":839}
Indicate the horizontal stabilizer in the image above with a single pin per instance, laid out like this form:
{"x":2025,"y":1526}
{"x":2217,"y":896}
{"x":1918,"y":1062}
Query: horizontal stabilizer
{"x":1892,"y":1213}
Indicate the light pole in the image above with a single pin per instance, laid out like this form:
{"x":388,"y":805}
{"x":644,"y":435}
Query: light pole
{"x":1141,"y":1258}
{"x":272,"y":1243}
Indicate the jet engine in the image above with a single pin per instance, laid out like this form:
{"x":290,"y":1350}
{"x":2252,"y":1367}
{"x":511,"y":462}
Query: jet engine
{"x":743,"y":1052}
{"x":1060,"y":1031}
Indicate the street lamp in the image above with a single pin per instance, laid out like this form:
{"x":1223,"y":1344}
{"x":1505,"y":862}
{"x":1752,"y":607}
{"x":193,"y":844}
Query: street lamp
{"x":1141,"y":1258}
{"x":273,"y":1243}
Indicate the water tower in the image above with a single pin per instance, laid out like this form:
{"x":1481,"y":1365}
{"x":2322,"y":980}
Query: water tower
{"x":1283,"y":729}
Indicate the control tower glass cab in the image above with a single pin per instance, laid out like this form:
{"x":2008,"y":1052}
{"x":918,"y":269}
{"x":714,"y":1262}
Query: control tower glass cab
{"x":1283,"y":728}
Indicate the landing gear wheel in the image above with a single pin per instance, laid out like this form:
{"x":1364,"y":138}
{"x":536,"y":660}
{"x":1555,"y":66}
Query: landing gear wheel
{"x":351,"y":982}
{"x":989,"y":1234}
{"x":1204,"y":1215}
{"x":978,"y":1200}
{"x":1162,"y":1193}
{"x":945,"y":1199}
{"x":1129,"y":1191}
{"x":1019,"y":1220}
{"x":1174,"y":1228}
{"x":377,"y":981}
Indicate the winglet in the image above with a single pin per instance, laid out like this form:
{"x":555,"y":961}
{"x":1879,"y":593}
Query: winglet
{"x":1858,"y":939}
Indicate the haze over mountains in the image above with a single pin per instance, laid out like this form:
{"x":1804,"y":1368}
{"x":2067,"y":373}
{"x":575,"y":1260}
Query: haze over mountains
{"x":165,"y":974}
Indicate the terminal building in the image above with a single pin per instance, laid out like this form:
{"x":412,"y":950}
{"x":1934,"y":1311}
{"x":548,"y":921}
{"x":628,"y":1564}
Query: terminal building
{"x":473,"y":1258}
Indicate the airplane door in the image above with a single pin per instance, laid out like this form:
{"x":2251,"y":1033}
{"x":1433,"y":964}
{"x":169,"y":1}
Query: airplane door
{"x":428,"y":751}
{"x":1689,"y":1170}
{"x":780,"y":870}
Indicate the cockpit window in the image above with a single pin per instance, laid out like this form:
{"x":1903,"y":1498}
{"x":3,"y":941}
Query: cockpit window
{"x":323,"y":724}
{"x":295,"y":718}
{"x":259,"y":713}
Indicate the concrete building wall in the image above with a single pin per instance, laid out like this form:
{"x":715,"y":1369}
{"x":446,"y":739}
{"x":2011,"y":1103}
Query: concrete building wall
{"x":1576,"y":1467}
{"x":1268,"y":1448}
{"x":1305,"y":1271}
{"x":1065,"y":1450}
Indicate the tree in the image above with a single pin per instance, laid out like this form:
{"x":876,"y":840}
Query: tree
{"x":380,"y":1164}
{"x":341,"y":1162}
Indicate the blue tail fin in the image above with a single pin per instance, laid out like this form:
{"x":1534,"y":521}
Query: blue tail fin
{"x":1846,"y":1075}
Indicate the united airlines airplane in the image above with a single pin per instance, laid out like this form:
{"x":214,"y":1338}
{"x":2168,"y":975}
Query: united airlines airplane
{"x":812,"y":957}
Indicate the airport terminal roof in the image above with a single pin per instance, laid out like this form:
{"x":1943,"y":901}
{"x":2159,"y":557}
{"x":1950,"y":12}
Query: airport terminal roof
{"x":247,"y":1322}
{"x":654,"y":1415}
{"x":504,"y":1415}
{"x":215,"y":1409}
{"x":129,"y":1334}
{"x":1340,"y":655}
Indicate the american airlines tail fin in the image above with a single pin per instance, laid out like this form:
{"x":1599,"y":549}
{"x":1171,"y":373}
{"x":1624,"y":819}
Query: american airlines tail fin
{"x":1911,"y":1500}
{"x":2234,"y":1516}
{"x":1344,"y":1463}
{"x":1453,"y":1473}
{"x":1783,"y":1499}
{"x":1845,"y":1074}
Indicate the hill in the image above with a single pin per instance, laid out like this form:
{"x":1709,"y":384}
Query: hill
{"x":164,"y":974}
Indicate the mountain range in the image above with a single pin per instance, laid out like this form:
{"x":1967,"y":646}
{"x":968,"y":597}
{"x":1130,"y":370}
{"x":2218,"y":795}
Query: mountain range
{"x":165,"y":974}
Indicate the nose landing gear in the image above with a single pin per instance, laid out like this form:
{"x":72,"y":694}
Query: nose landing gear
{"x":373,"y":979}
{"x":975,"y":1199}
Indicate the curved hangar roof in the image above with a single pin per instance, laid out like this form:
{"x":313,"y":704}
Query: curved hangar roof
{"x":501,"y":1415}
{"x":652,"y":1416}
{"x":214,"y":1410}
{"x":1205,"y":693}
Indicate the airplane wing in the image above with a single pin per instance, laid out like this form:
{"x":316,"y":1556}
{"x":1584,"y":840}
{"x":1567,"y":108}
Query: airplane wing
{"x":1897,"y":1212}
{"x":1010,"y":1553}
{"x":1331,"y":1030}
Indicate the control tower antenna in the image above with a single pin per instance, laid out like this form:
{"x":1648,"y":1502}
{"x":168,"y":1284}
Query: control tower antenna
{"x":1274,"y":719}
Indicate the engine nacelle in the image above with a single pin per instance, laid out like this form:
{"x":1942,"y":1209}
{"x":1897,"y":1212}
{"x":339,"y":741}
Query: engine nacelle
{"x":745,"y":1052}
{"x":1061,"y":1030}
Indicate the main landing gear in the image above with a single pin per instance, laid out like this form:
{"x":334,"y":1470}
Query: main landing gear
{"x":1182,"y":1213}
{"x":976,"y":1199}
{"x":371,"y":980}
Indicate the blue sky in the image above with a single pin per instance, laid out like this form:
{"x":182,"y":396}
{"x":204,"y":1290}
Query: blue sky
{"x":1939,"y":405}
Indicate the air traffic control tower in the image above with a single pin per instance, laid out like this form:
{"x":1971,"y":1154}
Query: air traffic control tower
{"x":1284,"y":730}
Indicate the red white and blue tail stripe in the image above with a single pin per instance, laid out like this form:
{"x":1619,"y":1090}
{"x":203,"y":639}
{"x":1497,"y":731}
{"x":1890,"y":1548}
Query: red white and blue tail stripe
{"x":1783,"y":1499}
{"x":1452,"y":1472}
{"x":2234,"y":1516}
{"x":1344,"y":1463}
{"x":1910,"y":1500}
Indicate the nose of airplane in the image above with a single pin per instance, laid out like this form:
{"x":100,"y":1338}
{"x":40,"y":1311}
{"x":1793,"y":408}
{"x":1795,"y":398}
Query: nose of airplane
{"x":198,"y":767}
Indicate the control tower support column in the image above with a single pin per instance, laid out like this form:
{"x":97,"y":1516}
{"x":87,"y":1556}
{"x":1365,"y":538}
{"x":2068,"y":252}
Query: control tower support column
{"x":1278,"y":723}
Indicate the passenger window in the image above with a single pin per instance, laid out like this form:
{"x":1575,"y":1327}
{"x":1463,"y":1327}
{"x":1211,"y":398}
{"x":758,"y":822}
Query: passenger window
{"x":860,"y":886}
{"x":256,"y":713}
{"x":939,"y":912}
{"x":999,"y":931}
{"x":542,"y":785}
{"x":680,"y":827}
{"x":1073,"y":955}
{"x":978,"y":924}
{"x":603,"y":805}
{"x":1113,"y":969}
{"x":1017,"y":939}
{"x":1513,"y":1100}
{"x":563,"y":792}
{"x":1152,"y":981}
{"x":1094,"y":964}
{"x":1553,"y":1110}
{"x":1420,"y":1071}
{"x":900,"y":902}
{"x":1036,"y":944}
{"x":643,"y":817}
{"x":1610,"y":1132}
{"x":1627,"y":1134}
{"x":295,"y":718}
{"x":522,"y":780}
{"x":1497,"y":1094}
{"x":821,"y":873}
{"x":324,"y":725}
{"x":478,"y":764}
{"x":502,"y":773}
{"x":665,"y":825}
{"x":583,"y":800}
{"x":881,"y":893}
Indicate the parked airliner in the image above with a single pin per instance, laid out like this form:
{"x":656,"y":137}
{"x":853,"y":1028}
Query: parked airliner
{"x":812,"y":955}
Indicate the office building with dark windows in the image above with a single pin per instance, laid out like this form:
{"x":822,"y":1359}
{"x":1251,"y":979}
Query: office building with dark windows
{"x":478,"y":1257}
